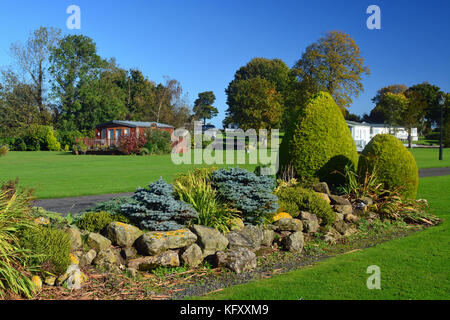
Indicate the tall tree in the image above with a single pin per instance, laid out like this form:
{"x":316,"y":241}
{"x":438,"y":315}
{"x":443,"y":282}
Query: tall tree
{"x":414,"y":112}
{"x":430,"y":94}
{"x":256,"y":104}
{"x":203,"y":106}
{"x":32,"y":58}
{"x":385,"y":109}
{"x":334,"y":64}
{"x":74,"y":64}
{"x":274,"y":71}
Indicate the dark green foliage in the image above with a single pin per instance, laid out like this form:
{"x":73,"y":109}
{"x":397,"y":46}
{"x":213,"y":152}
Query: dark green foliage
{"x":394,"y":165}
{"x":158,"y":141}
{"x":295,"y":199}
{"x":52,"y":247}
{"x":318,"y":142}
{"x":39,"y":137}
{"x":247,"y":192}
{"x":156,"y":208}
{"x":94,"y":221}
{"x":68,"y":137}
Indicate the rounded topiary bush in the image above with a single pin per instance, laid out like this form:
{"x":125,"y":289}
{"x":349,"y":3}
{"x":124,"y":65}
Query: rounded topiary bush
{"x":318,"y":143}
{"x":394,"y":166}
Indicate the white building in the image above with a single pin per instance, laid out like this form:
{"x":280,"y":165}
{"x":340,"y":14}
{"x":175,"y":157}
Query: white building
{"x":362,"y":133}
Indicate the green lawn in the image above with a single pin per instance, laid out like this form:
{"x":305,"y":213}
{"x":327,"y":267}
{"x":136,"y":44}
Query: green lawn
{"x":415,"y":267}
{"x":59,"y":174}
{"x":429,"y":157}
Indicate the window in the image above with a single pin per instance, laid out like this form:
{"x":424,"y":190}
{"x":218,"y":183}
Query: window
{"x":118,"y":133}
{"x":126,"y":132}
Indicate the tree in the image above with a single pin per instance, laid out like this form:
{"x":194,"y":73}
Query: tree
{"x":256,"y":104}
{"x":74,"y":64}
{"x":32,"y":58}
{"x":385,"y":108}
{"x":203,"y":106}
{"x":333,"y":64}
{"x":430,"y":95}
{"x":274,"y":71}
{"x":18,"y":107}
{"x":414,"y":112}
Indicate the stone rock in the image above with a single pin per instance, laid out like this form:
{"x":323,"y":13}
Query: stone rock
{"x":322,"y":187}
{"x":331,"y":236}
{"x":289,"y":225}
{"x":351,"y":230}
{"x":368,"y":201}
{"x":155,"y":242}
{"x":340,"y":226}
{"x":109,"y":260}
{"x":373,"y":216}
{"x":122,"y":234}
{"x":351,"y":218}
{"x":87,"y":258}
{"x":97,"y":242}
{"x":210,"y":240}
{"x":75,"y":237}
{"x":250,"y":237}
{"x":281,"y":215}
{"x":294,"y":242}
{"x":268,"y":237}
{"x":166,"y":259}
{"x":238,"y":260}
{"x":42,"y":221}
{"x":344,"y":209}
{"x":50,"y":280}
{"x":324,"y":196}
{"x":70,"y":269}
{"x":339,"y":200}
{"x":37,"y":282}
{"x":192,"y":256}
{"x":236,"y":224}
{"x":304,"y":215}
{"x":310,"y":226}
{"x":74,"y":259}
{"x":75,"y":280}
{"x":128,"y":253}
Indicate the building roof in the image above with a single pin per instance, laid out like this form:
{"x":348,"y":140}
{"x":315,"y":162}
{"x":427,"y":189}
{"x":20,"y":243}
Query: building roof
{"x":135,"y":124}
{"x":354,"y":123}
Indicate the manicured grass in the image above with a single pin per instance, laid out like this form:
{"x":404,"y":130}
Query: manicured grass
{"x":429,"y":157}
{"x":59,"y":174}
{"x":415,"y":267}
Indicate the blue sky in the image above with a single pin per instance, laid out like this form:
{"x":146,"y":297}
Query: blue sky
{"x":202,"y":43}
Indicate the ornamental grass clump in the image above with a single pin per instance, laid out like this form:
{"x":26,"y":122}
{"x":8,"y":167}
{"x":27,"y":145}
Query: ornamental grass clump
{"x":15,"y":271}
{"x":157,"y":208}
{"x":196,"y":189}
{"x":247,"y":192}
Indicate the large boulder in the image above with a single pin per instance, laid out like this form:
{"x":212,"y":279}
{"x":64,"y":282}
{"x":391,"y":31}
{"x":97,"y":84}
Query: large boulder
{"x":192,"y":256}
{"x":109,"y":260}
{"x":97,"y":242}
{"x":322,"y":187}
{"x":250,"y":237}
{"x":122,"y":234}
{"x":209,"y":239}
{"x":155,"y":242}
{"x":286,"y":224}
{"x":343,"y":209}
{"x":294,"y":242}
{"x":165,"y":259}
{"x":268,"y":237}
{"x":238,"y":260}
{"x":72,"y":278}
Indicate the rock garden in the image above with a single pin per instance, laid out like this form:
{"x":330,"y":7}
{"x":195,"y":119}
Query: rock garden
{"x":214,"y":227}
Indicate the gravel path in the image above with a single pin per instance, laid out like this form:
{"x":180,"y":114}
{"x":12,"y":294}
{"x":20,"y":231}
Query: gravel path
{"x":79,"y":204}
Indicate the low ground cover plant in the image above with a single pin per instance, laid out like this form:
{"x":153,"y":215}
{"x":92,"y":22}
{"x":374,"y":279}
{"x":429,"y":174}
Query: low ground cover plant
{"x":294,"y":199}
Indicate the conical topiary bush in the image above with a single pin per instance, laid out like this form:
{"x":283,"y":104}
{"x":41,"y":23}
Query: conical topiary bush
{"x":318,"y":143}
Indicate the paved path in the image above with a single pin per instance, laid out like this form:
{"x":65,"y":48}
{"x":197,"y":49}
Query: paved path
{"x":434,"y":172}
{"x":77,"y":204}
{"x":80,"y":204}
